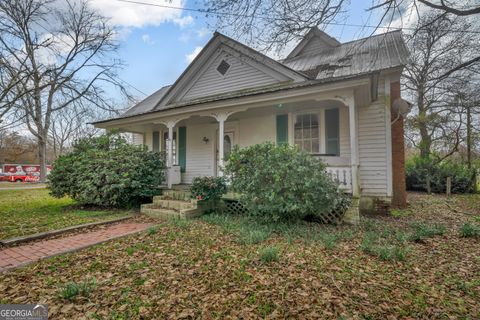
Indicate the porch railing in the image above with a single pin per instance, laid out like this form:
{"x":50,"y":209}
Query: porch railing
{"x":343,"y":175}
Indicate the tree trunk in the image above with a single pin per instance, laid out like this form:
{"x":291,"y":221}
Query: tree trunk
{"x":42,"y":155}
{"x":425,"y":139}
{"x":469,"y":136}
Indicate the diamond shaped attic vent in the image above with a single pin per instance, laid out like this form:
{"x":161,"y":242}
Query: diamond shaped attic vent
{"x":223,"y":67}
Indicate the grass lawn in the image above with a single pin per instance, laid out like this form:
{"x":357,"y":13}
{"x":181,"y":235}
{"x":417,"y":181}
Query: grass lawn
{"x":420,"y":263}
{"x":24,"y":212}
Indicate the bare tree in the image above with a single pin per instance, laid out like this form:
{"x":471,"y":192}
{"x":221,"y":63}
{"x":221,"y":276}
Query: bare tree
{"x":71,"y":125}
{"x":458,"y":8}
{"x":271,"y":24}
{"x":442,"y":58}
{"x":63,"y":56}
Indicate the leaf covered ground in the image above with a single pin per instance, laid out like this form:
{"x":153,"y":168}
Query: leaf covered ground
{"x":408,"y":266}
{"x":24,"y":212}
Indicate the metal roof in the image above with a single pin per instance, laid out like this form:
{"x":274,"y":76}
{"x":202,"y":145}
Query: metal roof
{"x":148,"y":103}
{"x":379,"y":52}
{"x":344,"y":61}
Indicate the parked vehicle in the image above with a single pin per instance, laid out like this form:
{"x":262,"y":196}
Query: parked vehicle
{"x":4,"y":176}
{"x":31,"y":177}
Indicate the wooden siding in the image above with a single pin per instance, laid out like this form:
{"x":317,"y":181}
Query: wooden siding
{"x":241,"y":75}
{"x":256,"y":130}
{"x":199,"y":156}
{"x":372,"y":149}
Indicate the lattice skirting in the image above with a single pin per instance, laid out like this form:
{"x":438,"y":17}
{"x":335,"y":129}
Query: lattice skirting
{"x":233,"y":207}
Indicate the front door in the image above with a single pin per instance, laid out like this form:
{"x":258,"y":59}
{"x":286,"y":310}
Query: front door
{"x":228,"y":138}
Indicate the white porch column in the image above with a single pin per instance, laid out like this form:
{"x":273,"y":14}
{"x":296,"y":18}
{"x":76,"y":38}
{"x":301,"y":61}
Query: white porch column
{"x":354,"y":158}
{"x":221,"y":118}
{"x":170,"y":126}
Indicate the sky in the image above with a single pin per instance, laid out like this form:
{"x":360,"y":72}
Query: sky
{"x":157,"y":44}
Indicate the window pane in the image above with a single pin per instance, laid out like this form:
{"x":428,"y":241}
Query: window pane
{"x":306,"y":133}
{"x":315,"y":147}
{"x":307,"y":146}
{"x":315,"y":132}
{"x":314,"y":119}
{"x":298,"y":133}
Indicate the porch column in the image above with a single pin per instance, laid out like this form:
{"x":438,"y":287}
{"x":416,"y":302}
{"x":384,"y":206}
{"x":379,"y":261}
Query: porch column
{"x":354,"y":162}
{"x":221,"y":118}
{"x":170,"y":126}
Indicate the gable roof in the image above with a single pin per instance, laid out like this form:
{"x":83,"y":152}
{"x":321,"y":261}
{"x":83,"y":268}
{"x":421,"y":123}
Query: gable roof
{"x":323,"y":42}
{"x":333,"y":63}
{"x":372,"y":54}
{"x":219,"y":40}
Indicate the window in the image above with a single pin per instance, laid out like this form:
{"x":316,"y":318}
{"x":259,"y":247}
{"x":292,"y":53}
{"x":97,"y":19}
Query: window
{"x":223,"y":67}
{"x":306,"y":130}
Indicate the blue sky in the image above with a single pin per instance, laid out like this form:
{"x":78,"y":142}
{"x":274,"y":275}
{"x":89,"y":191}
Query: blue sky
{"x":157,"y":43}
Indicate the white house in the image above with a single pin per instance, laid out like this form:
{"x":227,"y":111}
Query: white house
{"x":333,"y":100}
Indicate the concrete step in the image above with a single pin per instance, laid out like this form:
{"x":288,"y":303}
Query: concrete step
{"x":173,"y":204}
{"x":154,"y":211}
{"x":176,"y":195}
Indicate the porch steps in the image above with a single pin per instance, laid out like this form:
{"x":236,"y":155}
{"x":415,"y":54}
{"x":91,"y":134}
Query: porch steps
{"x":172,"y":204}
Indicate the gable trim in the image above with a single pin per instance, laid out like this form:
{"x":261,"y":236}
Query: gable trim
{"x":213,"y":48}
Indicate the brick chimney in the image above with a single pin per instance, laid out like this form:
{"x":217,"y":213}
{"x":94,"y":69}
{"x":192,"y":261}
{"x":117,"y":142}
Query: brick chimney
{"x":399,"y":197}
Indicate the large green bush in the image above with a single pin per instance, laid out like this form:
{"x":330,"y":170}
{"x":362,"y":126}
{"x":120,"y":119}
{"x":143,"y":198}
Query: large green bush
{"x":418,"y":169}
{"x":282,"y":183}
{"x":107,"y":171}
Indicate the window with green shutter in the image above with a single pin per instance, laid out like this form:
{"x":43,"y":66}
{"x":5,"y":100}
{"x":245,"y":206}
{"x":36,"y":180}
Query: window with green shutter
{"x":332,"y":132}
{"x":182,"y":148}
{"x":282,"y":129}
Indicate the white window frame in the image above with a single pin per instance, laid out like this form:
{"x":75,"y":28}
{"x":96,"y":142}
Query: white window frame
{"x":321,"y":123}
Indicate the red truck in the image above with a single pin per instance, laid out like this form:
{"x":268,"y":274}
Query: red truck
{"x":22,"y":172}
{"x":31,"y":177}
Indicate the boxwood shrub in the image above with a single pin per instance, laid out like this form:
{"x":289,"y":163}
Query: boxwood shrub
{"x":107,"y":171}
{"x":282,"y":183}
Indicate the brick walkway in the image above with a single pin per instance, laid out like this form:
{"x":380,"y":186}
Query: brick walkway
{"x":15,"y":257}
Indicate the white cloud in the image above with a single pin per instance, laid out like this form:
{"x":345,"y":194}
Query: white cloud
{"x":203,"y":32}
{"x":146,"y":38}
{"x":138,"y":15}
{"x":193,"y":54}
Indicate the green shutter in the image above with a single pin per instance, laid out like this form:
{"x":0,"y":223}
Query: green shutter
{"x":182,"y":148}
{"x":155,"y":141}
{"x":332,"y":132}
{"x":282,"y":129}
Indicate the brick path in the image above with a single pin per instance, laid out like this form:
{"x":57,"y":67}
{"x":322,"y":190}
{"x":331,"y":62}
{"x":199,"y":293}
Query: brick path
{"x":15,"y":257}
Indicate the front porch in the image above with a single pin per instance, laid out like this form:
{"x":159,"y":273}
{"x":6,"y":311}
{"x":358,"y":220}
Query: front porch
{"x":198,"y":143}
{"x":341,"y":126}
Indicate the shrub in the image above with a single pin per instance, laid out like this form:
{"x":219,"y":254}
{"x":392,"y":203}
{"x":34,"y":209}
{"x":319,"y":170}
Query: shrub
{"x":282,"y":183}
{"x":423,"y":231}
{"x":107,"y":171}
{"x":269,"y":254}
{"x":71,"y":290}
{"x":208,"y":188}
{"x":469,"y":230}
{"x":418,"y":169}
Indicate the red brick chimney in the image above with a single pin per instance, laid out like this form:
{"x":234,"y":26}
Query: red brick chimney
{"x":399,"y":198}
